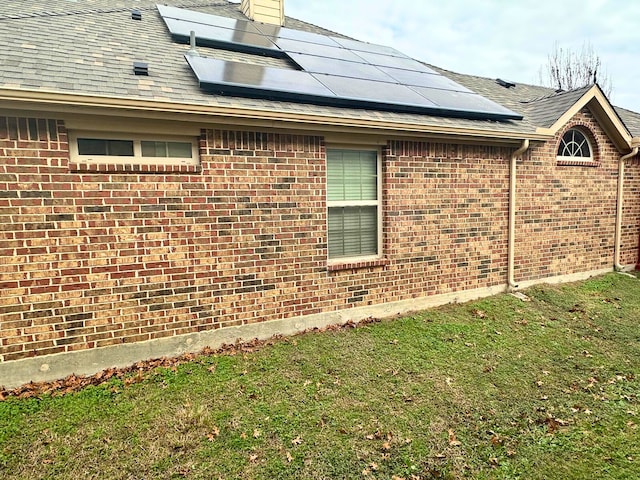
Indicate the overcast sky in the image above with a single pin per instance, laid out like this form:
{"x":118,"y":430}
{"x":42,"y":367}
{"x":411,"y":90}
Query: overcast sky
{"x":507,"y":39}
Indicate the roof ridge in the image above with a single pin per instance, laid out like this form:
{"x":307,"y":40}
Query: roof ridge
{"x":88,"y":11}
{"x":557,"y":94}
{"x":482,"y":77}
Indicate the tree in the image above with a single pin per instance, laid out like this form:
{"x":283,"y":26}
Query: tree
{"x":566,"y":69}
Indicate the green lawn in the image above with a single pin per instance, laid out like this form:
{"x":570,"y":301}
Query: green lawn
{"x":494,"y":389}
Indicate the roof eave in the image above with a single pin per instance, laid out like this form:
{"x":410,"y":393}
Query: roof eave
{"x":52,"y":101}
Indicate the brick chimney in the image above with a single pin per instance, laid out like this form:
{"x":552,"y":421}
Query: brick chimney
{"x":265,"y":11}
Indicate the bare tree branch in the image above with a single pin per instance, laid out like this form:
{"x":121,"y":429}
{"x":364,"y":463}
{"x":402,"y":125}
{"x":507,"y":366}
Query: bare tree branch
{"x":568,"y":70}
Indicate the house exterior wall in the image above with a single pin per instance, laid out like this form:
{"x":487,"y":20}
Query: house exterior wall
{"x":103,"y":257}
{"x":630,"y":244}
{"x":565,"y":218}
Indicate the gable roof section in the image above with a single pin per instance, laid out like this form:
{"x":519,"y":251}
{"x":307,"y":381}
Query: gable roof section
{"x":593,"y":98}
{"x":550,"y":110}
{"x":545,"y":111}
{"x":630,"y":119}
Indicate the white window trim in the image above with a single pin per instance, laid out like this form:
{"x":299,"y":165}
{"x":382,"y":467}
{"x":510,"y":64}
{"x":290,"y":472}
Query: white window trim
{"x":137,"y":158}
{"x":357,"y":203}
{"x":573,"y":158}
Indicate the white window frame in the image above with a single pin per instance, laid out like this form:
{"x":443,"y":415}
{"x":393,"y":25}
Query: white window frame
{"x":137,"y":158}
{"x":574,"y":158}
{"x":359,"y":203}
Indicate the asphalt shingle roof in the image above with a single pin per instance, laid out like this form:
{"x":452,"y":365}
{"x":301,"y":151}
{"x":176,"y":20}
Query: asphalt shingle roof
{"x":89,"y":46}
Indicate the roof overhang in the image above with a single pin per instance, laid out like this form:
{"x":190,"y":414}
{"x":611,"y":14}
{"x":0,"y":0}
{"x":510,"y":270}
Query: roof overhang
{"x":80,"y":104}
{"x":596,"y":101}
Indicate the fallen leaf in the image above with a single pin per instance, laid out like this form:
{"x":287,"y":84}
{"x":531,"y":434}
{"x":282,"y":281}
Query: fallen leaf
{"x":289,"y":457}
{"x":453,"y":441}
{"x":215,"y":432}
{"x":386,"y":446}
{"x":253,"y":458}
{"x":297,"y":440}
{"x":256,"y":433}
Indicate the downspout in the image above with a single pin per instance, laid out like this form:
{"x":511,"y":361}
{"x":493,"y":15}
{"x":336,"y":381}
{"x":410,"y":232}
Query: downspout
{"x":618,"y":235}
{"x":511,"y":284}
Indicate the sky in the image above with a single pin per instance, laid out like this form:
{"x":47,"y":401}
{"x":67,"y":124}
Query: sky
{"x":508,"y":39}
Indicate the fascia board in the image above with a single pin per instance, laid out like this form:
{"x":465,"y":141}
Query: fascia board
{"x":22,"y":99}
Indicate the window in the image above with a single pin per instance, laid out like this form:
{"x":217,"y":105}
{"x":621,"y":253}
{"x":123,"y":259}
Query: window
{"x":353,"y":201}
{"x":574,"y":145}
{"x":92,"y":147}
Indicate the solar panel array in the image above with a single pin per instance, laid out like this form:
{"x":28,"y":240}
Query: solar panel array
{"x":325,"y":69}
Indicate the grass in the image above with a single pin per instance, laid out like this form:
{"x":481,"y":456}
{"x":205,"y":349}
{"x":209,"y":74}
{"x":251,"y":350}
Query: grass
{"x":493,"y":389}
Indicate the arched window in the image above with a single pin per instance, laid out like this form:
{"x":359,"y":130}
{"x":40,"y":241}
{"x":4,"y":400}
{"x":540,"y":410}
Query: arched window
{"x":574,"y":145}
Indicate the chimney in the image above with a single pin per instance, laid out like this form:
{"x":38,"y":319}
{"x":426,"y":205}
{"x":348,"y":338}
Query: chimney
{"x":265,"y":11}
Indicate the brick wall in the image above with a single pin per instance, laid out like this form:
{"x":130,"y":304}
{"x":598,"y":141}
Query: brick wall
{"x":566,"y":213}
{"x":631,"y":214}
{"x":92,"y":258}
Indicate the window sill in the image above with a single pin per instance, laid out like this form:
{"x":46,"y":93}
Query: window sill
{"x":132,"y":168}
{"x":356,"y":264}
{"x":577,"y":163}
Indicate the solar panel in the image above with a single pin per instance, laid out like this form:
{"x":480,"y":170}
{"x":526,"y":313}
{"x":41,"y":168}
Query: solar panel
{"x":237,"y":78}
{"x":368,"y":47}
{"x":340,"y":68}
{"x":338,"y":53}
{"x":404,"y":63}
{"x":332,"y":70}
{"x":275,"y":32}
{"x":420,"y":79}
{"x":368,"y":91}
{"x":206,"y":19}
{"x":214,"y":36}
{"x":462,"y":101}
